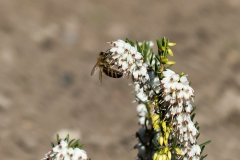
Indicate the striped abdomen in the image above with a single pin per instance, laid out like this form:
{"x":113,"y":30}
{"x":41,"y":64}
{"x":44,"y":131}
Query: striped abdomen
{"x":112,"y":72}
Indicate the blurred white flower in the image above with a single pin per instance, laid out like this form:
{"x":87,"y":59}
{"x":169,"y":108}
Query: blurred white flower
{"x":63,"y":152}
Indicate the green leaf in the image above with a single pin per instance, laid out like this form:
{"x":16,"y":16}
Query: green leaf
{"x":164,"y":42}
{"x":197,"y":135}
{"x":52,"y":144}
{"x":159,"y":47}
{"x":58,"y":141}
{"x":202,"y":157}
{"x":205,"y":143}
{"x":202,"y":149}
{"x":151,"y":58}
{"x":67,"y":138}
{"x":75,"y":144}
{"x":192,"y":116}
{"x":194,"y":108}
{"x":81,"y":146}
{"x":196,"y":124}
{"x":69,"y":144}
{"x":158,"y":43}
{"x":198,"y":128}
{"x":158,"y":58}
{"x":130,"y":42}
{"x":138,"y":47}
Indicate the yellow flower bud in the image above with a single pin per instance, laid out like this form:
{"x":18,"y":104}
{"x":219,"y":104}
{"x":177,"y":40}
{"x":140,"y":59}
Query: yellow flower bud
{"x":165,"y":150}
{"x":164,"y":60}
{"x":164,"y":157}
{"x":163,"y":48}
{"x":170,"y":52}
{"x":160,"y":157}
{"x":164,"y":126}
{"x":169,"y":155}
{"x":178,"y":151}
{"x":160,"y":140}
{"x":182,"y":73}
{"x":171,"y":44}
{"x":166,"y":135}
{"x":170,"y":62}
{"x":156,"y":126}
{"x":165,"y":141}
{"x":169,"y":129}
{"x":155,"y":117}
{"x":155,"y":156}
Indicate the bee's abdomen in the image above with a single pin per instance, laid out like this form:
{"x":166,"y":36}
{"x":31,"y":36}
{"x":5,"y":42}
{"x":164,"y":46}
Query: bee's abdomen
{"x":112,"y":72}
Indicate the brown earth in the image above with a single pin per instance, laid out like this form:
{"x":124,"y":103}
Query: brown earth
{"x":48,"y":48}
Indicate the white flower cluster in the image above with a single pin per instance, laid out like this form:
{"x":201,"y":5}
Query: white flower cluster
{"x":179,"y":95}
{"x":193,"y":153}
{"x":62,"y":152}
{"x":129,"y":60}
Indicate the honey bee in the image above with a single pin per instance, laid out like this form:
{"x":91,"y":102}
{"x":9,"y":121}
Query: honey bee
{"x":104,"y":64}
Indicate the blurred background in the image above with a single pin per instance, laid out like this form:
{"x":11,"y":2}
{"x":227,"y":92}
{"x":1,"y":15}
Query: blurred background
{"x":47,"y":51}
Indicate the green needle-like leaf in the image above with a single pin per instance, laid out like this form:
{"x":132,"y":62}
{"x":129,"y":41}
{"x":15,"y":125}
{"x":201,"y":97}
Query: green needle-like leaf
{"x":75,"y":144}
{"x":205,"y":143}
{"x":57,"y":136}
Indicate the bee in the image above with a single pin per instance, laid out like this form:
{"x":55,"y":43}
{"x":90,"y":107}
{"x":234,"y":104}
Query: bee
{"x":104,"y":64}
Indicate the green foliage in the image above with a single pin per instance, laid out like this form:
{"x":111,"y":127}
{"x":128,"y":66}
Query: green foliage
{"x":71,"y":144}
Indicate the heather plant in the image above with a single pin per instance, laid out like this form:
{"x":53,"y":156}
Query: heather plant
{"x":164,"y":103}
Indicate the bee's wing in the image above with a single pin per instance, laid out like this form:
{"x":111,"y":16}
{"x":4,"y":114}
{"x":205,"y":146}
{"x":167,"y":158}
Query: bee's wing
{"x":95,"y":69}
{"x":100,"y":77}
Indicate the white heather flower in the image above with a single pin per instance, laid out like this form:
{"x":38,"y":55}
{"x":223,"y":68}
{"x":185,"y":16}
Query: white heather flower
{"x":194,"y":153}
{"x":79,"y":154}
{"x":168,"y":73}
{"x":62,"y":151}
{"x":141,"y":108}
{"x":142,"y":113}
{"x":183,"y":150}
{"x":142,"y":96}
{"x":188,"y":107}
{"x":137,"y":88}
{"x":60,"y":147}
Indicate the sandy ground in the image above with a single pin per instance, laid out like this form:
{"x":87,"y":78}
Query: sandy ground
{"x":48,"y":48}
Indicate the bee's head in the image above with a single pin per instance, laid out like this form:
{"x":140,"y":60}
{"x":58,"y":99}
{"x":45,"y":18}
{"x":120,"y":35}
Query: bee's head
{"x":102,"y":53}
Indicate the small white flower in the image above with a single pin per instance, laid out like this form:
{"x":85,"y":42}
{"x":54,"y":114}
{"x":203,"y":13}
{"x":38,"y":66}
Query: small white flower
{"x":184,"y":80}
{"x":168,"y":73}
{"x":188,"y":107}
{"x":142,"y":96}
{"x":142,"y":121}
{"x":141,"y":107}
{"x":135,"y":74}
{"x":60,"y":147}
{"x":79,"y":154}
